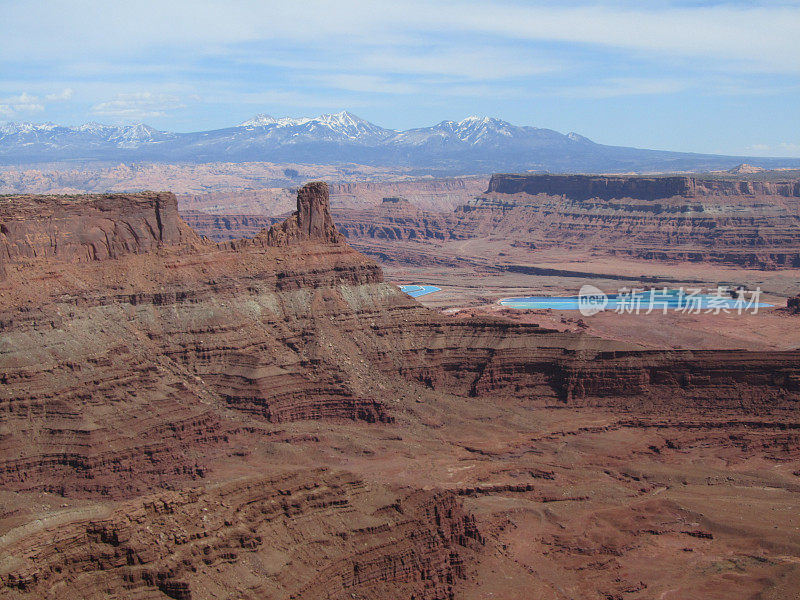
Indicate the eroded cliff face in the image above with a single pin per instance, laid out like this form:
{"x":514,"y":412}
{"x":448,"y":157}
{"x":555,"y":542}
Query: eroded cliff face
{"x":750,"y":224}
{"x":84,"y":228}
{"x":250,"y":538}
{"x":165,"y":411}
{"x":397,"y":221}
{"x":608,"y":187}
{"x":227,"y":227}
{"x":291,"y":325}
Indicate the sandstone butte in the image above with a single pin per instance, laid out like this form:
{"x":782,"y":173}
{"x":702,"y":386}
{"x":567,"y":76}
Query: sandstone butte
{"x":267,"y":418}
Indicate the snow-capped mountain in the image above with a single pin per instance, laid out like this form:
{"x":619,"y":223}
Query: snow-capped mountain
{"x":263,"y":120}
{"x":474,"y":144}
{"x":476,"y":132}
{"x":138,"y":135}
{"x":84,"y":141}
{"x":341,"y":126}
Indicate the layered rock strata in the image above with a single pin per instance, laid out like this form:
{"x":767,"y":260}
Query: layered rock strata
{"x":88,"y":228}
{"x":753,"y":224}
{"x":227,"y":227}
{"x":608,"y":187}
{"x":375,"y":541}
{"x":165,"y":401}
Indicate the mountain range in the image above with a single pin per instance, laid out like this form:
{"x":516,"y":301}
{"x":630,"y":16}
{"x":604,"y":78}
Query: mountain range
{"x":472,"y":145}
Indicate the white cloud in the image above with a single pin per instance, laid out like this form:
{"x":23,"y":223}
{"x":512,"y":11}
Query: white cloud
{"x":787,"y":149}
{"x":61,"y":96}
{"x":613,"y":88}
{"x":138,"y":105}
{"x":759,"y":148}
{"x":30,"y":103}
{"x":760,"y":36}
{"x":366,"y":83}
{"x":733,"y":36}
{"x":21,"y":103}
{"x":477,"y":63}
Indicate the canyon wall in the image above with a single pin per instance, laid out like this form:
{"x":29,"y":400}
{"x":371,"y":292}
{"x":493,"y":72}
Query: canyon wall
{"x":607,"y":187}
{"x":84,"y":228}
{"x":427,"y":193}
{"x":397,"y":219}
{"x":191,"y":544}
{"x":752,"y":224}
{"x":227,"y":227}
{"x":262,"y":326}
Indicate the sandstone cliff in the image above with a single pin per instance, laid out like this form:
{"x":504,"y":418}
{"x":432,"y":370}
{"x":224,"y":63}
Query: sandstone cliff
{"x":748,"y":223}
{"x":81,"y":228}
{"x":754,"y":224}
{"x":87,"y":228}
{"x":607,"y":187}
{"x":227,"y":227}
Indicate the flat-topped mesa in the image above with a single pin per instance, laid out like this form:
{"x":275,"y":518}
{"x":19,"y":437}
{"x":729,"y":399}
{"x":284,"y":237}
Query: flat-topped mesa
{"x":606,"y":187}
{"x":310,"y":222}
{"x":89,"y":227}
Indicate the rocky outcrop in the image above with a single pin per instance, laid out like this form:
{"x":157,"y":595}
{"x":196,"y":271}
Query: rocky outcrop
{"x":311,"y":222}
{"x":745,"y":169}
{"x":83,"y":228}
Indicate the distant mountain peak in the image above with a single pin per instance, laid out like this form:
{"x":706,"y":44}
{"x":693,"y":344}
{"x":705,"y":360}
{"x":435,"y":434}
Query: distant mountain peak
{"x":133,"y":136}
{"x":26,"y":126}
{"x":340,"y":117}
{"x":342,"y":114}
{"x":575,"y":137}
{"x":477,"y":143}
{"x":259,"y":120}
{"x":264,"y":120}
{"x":473,"y":118}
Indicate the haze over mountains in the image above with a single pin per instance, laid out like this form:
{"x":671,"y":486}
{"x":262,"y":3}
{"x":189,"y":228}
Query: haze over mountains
{"x":471,"y":145}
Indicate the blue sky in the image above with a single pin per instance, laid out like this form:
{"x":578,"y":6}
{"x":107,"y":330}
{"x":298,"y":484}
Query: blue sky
{"x":720,"y":77}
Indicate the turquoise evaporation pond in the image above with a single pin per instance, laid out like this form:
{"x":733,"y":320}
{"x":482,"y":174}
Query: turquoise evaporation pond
{"x":671,"y":300}
{"x":415,"y":291}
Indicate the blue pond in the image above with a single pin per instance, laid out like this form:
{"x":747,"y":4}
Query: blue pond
{"x":642,"y":302}
{"x":415,"y":291}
